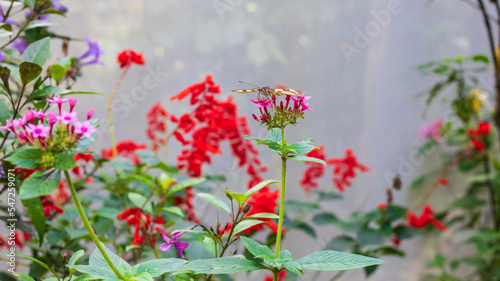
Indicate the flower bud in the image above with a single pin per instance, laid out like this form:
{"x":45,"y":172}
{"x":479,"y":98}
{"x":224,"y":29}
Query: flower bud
{"x":72,"y":103}
{"x":52,"y":118}
{"x":246,"y":209}
{"x":90,"y":113}
{"x":30,"y":115}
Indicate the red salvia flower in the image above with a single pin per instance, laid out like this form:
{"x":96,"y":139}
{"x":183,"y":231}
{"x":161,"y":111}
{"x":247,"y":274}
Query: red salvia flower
{"x":281,"y":276}
{"x":483,"y":129}
{"x":143,"y":224}
{"x":49,"y":207}
{"x":157,"y":125}
{"x":314,"y":170}
{"x":127,"y":57}
{"x":425,"y":219}
{"x":127,"y":149}
{"x":344,"y":169}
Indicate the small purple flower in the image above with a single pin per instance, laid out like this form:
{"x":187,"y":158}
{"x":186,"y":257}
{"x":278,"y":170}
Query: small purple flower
{"x":263,"y":102}
{"x":7,"y":21}
{"x":38,"y":131}
{"x":2,"y":172}
{"x":20,"y":45}
{"x":84,"y":129}
{"x":179,"y":245}
{"x":67,"y":117}
{"x":59,"y":7}
{"x":92,"y":53}
{"x":2,"y":56}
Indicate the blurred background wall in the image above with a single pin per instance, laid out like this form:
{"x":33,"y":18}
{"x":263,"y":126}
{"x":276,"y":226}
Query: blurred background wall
{"x":363,"y":87}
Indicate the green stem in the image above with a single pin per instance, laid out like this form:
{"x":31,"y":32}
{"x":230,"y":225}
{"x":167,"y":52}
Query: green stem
{"x":89,"y":227}
{"x":282,"y":199}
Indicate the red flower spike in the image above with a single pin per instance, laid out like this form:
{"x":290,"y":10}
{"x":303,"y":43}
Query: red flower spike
{"x":281,"y":276}
{"x":314,"y":170}
{"x":157,"y":125}
{"x":425,"y":219}
{"x":483,"y":129}
{"x":127,"y":149}
{"x":127,"y":57}
{"x":143,"y":223}
{"x":344,"y":170}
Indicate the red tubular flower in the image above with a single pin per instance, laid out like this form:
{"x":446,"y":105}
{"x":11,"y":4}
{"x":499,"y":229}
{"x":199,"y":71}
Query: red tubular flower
{"x":263,"y":201}
{"x":83,"y":157}
{"x":127,"y":57}
{"x":425,"y":219}
{"x":281,"y":276}
{"x":127,"y":149}
{"x":344,"y":169}
{"x":443,"y":181}
{"x":143,"y":223}
{"x":382,"y":206}
{"x":483,"y":129}
{"x":49,"y":207}
{"x":314,"y":170}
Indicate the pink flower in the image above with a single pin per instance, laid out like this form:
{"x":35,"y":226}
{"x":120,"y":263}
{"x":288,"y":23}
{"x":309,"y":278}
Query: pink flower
{"x":7,"y":126}
{"x":58,"y":100}
{"x":84,"y":129}
{"x":19,"y":122}
{"x":305,"y":107}
{"x":72,"y":103}
{"x":52,"y":118}
{"x":39,"y":114}
{"x":263,"y":102}
{"x":38,"y":131}
{"x":90,"y":112}
{"x":432,"y":131}
{"x":67,"y":117}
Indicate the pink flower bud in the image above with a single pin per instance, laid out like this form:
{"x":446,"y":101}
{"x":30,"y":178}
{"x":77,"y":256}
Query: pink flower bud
{"x":52,"y":118}
{"x":90,"y":113}
{"x":30,"y":115}
{"x":72,"y":103}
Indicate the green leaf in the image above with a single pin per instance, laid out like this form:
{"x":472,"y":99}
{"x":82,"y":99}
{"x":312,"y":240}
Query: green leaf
{"x":29,"y":71}
{"x":64,"y":162}
{"x":174,"y":210}
{"x":5,"y":112}
{"x":39,"y":183}
{"x":74,"y":259}
{"x":97,"y":272}
{"x":37,"y":52}
{"x":225,"y":265}
{"x":258,"y":250}
{"x":243,"y":225}
{"x":481,"y":58}
{"x":328,"y":195}
{"x":146,"y":179}
{"x":26,"y":157}
{"x":333,"y":261}
{"x":30,"y":3}
{"x":158,"y":267}
{"x":40,"y":263}
{"x":341,"y":243}
{"x":239,"y":197}
{"x":300,"y":148}
{"x":97,"y":260}
{"x":37,"y":215}
{"x":262,"y":216}
{"x":139,"y":201}
{"x":52,"y":12}
{"x":45,"y":91}
{"x":296,"y":206}
{"x":66,"y":93}
{"x":368,"y":236}
{"x":274,"y":135}
{"x":4,"y":75}
{"x":395,"y":212}
{"x":259,"y":186}
{"x":210,"y":245}
{"x":324,"y":218}
{"x":186,"y":183}
{"x":215,"y":201}
{"x":23,"y":277}
{"x":305,"y":158}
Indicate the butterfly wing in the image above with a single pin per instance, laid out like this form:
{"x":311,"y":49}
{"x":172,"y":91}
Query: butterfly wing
{"x":289,"y":92}
{"x":247,"y":90}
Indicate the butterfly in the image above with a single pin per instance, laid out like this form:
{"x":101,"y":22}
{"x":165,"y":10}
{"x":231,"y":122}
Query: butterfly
{"x":268,"y":91}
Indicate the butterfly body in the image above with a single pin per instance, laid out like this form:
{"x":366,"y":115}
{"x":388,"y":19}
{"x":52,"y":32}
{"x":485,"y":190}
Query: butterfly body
{"x":268,"y":91}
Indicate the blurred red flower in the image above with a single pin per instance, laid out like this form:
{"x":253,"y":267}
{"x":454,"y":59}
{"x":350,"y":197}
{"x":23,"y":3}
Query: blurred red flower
{"x":425,"y":219}
{"x":314,"y":170}
{"x":128,"y":56}
{"x":345,"y":168}
{"x":143,"y":223}
{"x":127,"y":149}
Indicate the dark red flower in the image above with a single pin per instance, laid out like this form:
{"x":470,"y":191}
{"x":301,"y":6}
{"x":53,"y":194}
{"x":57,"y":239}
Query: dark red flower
{"x":49,"y":207}
{"x":483,"y":129}
{"x":344,"y":170}
{"x":314,"y":170}
{"x":396,"y":241}
{"x":83,"y":157}
{"x":425,"y":219}
{"x":144,"y":224}
{"x":157,"y":125}
{"x":442,"y":181}
{"x":128,"y":56}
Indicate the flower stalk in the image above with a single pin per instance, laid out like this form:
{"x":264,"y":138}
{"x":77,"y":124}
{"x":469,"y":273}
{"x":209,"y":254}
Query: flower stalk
{"x":282,"y":197}
{"x":89,"y":227}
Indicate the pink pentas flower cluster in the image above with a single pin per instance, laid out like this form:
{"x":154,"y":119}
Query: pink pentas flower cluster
{"x":276,"y":114}
{"x":49,"y":130}
{"x":433,"y":131}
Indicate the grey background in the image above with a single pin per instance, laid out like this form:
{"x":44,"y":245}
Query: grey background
{"x":367,"y":104}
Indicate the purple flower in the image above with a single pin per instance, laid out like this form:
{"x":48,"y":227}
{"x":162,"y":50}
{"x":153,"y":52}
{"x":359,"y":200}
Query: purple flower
{"x":84,"y":128}
{"x":59,"y":7}
{"x":179,"y":245}
{"x":92,"y":53}
{"x":20,"y":45}
{"x":263,"y":102}
{"x":7,"y":21}
{"x":2,"y":56}
{"x":2,"y":172}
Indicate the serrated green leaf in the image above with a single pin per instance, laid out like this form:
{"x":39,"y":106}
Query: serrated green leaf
{"x":158,"y":267}
{"x":29,"y":71}
{"x":274,"y":135}
{"x":333,"y":261}
{"x":26,"y":157}
{"x":39,"y":183}
{"x":37,"y":52}
{"x":186,"y":183}
{"x":210,"y":245}
{"x":215,"y":201}
{"x":224,"y":265}
{"x":300,"y":148}
{"x":258,"y":250}
{"x":305,"y":158}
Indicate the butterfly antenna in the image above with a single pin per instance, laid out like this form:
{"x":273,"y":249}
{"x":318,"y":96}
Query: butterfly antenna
{"x":249,"y":84}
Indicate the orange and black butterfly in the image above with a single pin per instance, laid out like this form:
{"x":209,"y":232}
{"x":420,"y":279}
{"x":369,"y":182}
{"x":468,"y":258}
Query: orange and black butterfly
{"x":268,"y":91}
